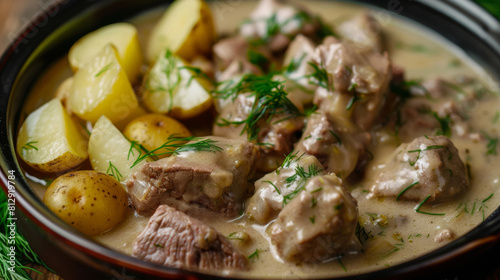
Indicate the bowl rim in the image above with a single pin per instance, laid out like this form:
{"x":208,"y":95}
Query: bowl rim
{"x":481,"y":22}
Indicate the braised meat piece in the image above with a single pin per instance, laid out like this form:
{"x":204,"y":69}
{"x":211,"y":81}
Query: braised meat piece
{"x":276,"y":132}
{"x":336,"y":147}
{"x":363,"y":32}
{"x":318,"y":224}
{"x":359,"y":83}
{"x":277,"y":188}
{"x":175,"y":239}
{"x":214,"y":178}
{"x":290,"y":20}
{"x":426,"y":168}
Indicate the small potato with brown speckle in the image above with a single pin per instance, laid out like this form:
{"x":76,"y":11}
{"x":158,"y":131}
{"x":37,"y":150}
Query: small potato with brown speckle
{"x":90,"y":201}
{"x":153,"y":130}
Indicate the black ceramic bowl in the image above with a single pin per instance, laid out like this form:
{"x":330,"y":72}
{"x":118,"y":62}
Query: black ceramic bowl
{"x":73,"y":256}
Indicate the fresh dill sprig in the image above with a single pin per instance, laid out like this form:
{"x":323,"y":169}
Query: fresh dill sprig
{"x":405,"y":189}
{"x":24,"y":253}
{"x":492,"y":144}
{"x":417,"y":208}
{"x":270,"y":100}
{"x":176,"y":145}
{"x":30,"y":145}
{"x":254,"y":256}
{"x":104,"y":69}
{"x":432,"y":147}
{"x":362,"y":234}
{"x":300,"y":177}
{"x":234,"y":236}
{"x":319,"y":77}
{"x":113,"y":171}
{"x":168,"y":79}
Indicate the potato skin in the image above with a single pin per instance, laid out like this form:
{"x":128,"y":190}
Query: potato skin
{"x":153,"y":130}
{"x":90,"y":201}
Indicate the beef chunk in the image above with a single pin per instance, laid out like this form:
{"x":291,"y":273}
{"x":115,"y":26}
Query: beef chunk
{"x":360,"y":83}
{"x":175,"y":239}
{"x":363,"y":32}
{"x":318,"y":224}
{"x":277,"y":188}
{"x":433,"y":162}
{"x":215,"y":179}
{"x":292,"y":19}
{"x":277,"y":132}
{"x":337,"y":148}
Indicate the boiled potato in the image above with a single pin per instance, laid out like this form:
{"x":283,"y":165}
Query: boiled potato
{"x":153,"y":130}
{"x":50,"y":141}
{"x":123,"y":36}
{"x":101,"y":87}
{"x":171,"y":88}
{"x":110,"y":152}
{"x":90,"y":201}
{"x":64,"y":90}
{"x":186,"y":28}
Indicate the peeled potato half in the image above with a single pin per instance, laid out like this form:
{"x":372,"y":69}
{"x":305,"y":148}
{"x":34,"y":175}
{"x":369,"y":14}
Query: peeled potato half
{"x":123,"y":36}
{"x":50,"y":141}
{"x":186,"y":29}
{"x":101,"y":87}
{"x":110,"y":152}
{"x":172,"y":88}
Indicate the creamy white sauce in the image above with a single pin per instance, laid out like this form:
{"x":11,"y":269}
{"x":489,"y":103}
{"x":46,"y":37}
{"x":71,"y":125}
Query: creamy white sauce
{"x":423,"y":55}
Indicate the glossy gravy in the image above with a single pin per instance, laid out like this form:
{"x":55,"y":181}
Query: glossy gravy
{"x":408,"y":233}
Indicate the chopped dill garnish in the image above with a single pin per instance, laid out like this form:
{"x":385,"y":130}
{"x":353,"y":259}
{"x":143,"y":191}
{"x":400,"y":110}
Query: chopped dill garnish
{"x":417,"y":209}
{"x":257,"y":59}
{"x":171,"y":79}
{"x":158,"y":245}
{"x":300,"y":176}
{"x":433,"y":147}
{"x":405,"y":189}
{"x":176,"y":145}
{"x":338,"y":206}
{"x":492,"y":144}
{"x":289,"y":159}
{"x":113,"y":171}
{"x":444,"y":124}
{"x":339,"y":259}
{"x":30,"y":145}
{"x":254,"y":256}
{"x":134,"y":145}
{"x":314,"y":202}
{"x":488,"y":198}
{"x":362,"y":234}
{"x":274,"y":186}
{"x":104,"y":69}
{"x":234,"y":236}
{"x":270,"y":100}
{"x":336,"y":137}
{"x":317,"y":190}
{"x":403,"y":90}
{"x":320,"y":77}
{"x":312,"y":219}
{"x":454,"y":87}
{"x":351,"y":102}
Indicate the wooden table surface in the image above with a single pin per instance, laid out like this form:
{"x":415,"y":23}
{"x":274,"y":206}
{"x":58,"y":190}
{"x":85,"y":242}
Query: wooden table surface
{"x":15,"y":14}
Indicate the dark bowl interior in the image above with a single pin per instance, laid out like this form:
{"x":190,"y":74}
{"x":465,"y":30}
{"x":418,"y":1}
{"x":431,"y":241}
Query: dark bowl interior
{"x":53,"y":32}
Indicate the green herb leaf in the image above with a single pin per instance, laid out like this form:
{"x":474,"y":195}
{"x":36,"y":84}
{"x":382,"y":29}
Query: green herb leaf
{"x":30,"y":145}
{"x":417,"y":209}
{"x":405,"y":189}
{"x":113,"y":171}
{"x":104,"y":69}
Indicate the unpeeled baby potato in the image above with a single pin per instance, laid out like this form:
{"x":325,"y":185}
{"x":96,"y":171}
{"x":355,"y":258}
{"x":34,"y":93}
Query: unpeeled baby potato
{"x":123,"y":36}
{"x":90,"y":201}
{"x":153,"y":130}
{"x":186,"y":29}
{"x":101,"y":87}
{"x":50,"y":141}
